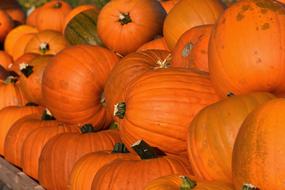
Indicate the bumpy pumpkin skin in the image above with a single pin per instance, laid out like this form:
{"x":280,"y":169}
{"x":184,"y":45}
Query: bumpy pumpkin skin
{"x":212,"y":134}
{"x":85,"y":169}
{"x":259,"y":149}
{"x":126,"y":29}
{"x":76,"y":96}
{"x":6,"y":24}
{"x":249,"y":65}
{"x":62,"y":152}
{"x":160,"y":106}
{"x":187,"y":14}
{"x":191,"y":50}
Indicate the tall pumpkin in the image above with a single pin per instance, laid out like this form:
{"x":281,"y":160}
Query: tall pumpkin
{"x":120,"y":24}
{"x":73,"y":85}
{"x":160,"y":105}
{"x":257,"y":27}
{"x":187,"y":14}
{"x":212,"y":134}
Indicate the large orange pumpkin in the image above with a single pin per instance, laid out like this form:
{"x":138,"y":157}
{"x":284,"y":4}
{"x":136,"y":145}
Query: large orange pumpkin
{"x":120,"y":24}
{"x":61,"y":153}
{"x":6,"y":24}
{"x":191,"y":50}
{"x":160,"y":105}
{"x":257,"y":28}
{"x":187,"y":14}
{"x":212,"y":134}
{"x":73,"y":85}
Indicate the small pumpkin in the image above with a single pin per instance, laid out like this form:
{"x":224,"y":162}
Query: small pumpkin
{"x":123,"y":20}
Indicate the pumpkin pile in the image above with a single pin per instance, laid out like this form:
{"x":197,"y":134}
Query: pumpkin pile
{"x":144,"y":94}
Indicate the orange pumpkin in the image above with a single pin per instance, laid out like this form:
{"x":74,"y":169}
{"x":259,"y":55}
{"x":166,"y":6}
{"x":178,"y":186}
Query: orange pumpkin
{"x":158,"y":43}
{"x":32,"y":17}
{"x":191,"y":50}
{"x":19,"y":48}
{"x":47,"y":42}
{"x":51,"y":15}
{"x":250,"y":64}
{"x":187,"y":14}
{"x":6,"y":25}
{"x":123,"y":20}
{"x":5,"y":59}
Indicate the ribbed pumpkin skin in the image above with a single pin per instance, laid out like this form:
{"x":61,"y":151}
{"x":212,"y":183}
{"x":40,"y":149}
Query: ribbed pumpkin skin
{"x":35,"y":142}
{"x":158,"y":43}
{"x":191,"y":50}
{"x":160,"y":106}
{"x":245,"y":67}
{"x":31,"y":85}
{"x":10,"y":115}
{"x":53,"y":39}
{"x":61,"y":153}
{"x":135,"y":174}
{"x":187,"y":14}
{"x":212,"y":134}
{"x":82,"y":28}
{"x":129,"y":68}
{"x":5,"y":59}
{"x":127,"y":38}
{"x":259,"y":149}
{"x":86,"y":168}
{"x":174,"y":182}
{"x":73,"y":85}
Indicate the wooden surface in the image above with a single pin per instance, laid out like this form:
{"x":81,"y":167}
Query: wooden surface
{"x":11,"y":178}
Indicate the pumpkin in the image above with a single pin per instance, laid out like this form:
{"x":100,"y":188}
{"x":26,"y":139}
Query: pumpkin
{"x":129,"y":68}
{"x":5,"y":59}
{"x":149,"y":104}
{"x":62,"y":152}
{"x":35,"y":142}
{"x":212,"y":134}
{"x":259,"y":148}
{"x":82,"y":28}
{"x":178,"y":182}
{"x":47,"y":42}
{"x":191,"y":50}
{"x":168,"y":4}
{"x":120,"y":172}
{"x":158,"y":43}
{"x":30,"y":80}
{"x":73,"y":85}
{"x":51,"y":15}
{"x":6,"y":24}
{"x":32,"y":17}
{"x":25,"y":58}
{"x":17,"y":15}
{"x":244,"y":67}
{"x":187,"y":14}
{"x":123,"y":20}
{"x":86,"y":167}
{"x":12,"y":39}
{"x":9,"y":115}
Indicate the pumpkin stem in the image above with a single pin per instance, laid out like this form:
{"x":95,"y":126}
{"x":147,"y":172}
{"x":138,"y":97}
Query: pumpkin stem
{"x":88,"y":128}
{"x":31,"y":104}
{"x":163,"y":64}
{"x":187,"y":183}
{"x":11,"y":79}
{"x":103,"y":100}
{"x":47,"y":116}
{"x":120,"y":148}
{"x":120,"y":110}
{"x":26,"y":69}
{"x":145,"y":151}
{"x":124,"y":18}
{"x":230,"y":94}
{"x":57,"y":5}
{"x":114,"y":125}
{"x":44,"y":47}
{"x":248,"y":186}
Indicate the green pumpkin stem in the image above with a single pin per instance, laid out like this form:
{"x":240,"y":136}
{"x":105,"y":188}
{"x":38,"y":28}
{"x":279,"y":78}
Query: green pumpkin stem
{"x":120,"y":148}
{"x":44,"y":47}
{"x":120,"y":110}
{"x":47,"y":116}
{"x":114,"y":125}
{"x":145,"y":151}
{"x":249,"y":187}
{"x":124,"y":18}
{"x":31,"y":104}
{"x":187,"y":183}
{"x":88,"y":128}
{"x":27,"y":70}
{"x":57,"y":5}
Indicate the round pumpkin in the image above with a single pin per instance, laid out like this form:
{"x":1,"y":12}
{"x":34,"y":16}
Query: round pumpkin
{"x":158,"y":43}
{"x":73,"y":85}
{"x":163,"y":99}
{"x":62,"y":152}
{"x":250,"y":64}
{"x":212,"y":134}
{"x":191,"y":50}
{"x":187,"y":14}
{"x":5,"y":59}
{"x":259,"y":148}
{"x":120,"y":24}
{"x":6,"y":24}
